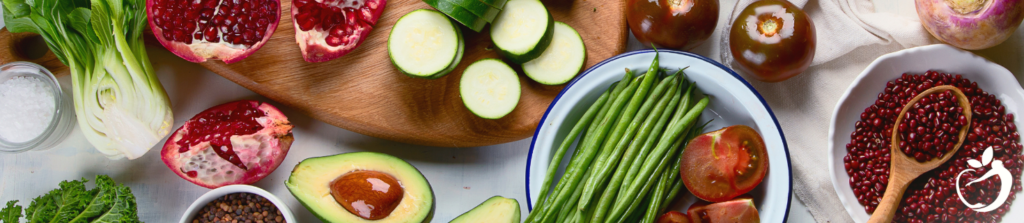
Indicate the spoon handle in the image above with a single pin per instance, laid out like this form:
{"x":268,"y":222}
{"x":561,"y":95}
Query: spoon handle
{"x":891,"y":200}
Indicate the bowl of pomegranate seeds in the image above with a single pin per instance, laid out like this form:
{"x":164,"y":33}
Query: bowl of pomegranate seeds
{"x":980,"y":183}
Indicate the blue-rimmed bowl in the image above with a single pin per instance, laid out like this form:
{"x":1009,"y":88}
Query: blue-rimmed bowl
{"x":733,"y":102}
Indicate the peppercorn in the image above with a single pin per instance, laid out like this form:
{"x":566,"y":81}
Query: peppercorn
{"x":239,"y":207}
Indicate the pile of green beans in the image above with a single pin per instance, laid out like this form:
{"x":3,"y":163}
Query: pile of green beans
{"x":625,"y":167}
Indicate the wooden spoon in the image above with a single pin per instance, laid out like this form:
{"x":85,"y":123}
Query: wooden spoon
{"x":904,"y":168}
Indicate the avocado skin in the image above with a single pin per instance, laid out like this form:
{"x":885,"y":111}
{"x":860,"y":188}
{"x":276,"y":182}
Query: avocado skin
{"x":293,"y":187}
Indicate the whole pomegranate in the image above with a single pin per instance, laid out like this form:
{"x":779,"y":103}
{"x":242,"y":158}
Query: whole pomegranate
{"x":234,"y":143}
{"x":328,"y":29}
{"x":227,"y":30}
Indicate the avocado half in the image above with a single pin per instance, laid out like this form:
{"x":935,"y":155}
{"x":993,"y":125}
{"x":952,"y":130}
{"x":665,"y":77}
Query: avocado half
{"x":311,"y":179}
{"x":496,"y":209}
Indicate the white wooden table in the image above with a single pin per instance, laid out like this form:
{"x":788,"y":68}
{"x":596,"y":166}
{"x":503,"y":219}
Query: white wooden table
{"x":461,"y":177}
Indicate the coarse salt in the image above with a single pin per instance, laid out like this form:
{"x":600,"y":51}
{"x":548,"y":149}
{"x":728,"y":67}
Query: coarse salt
{"x":26,"y":108}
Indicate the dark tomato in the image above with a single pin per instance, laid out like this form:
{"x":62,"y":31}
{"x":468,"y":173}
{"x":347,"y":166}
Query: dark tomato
{"x":674,"y":217}
{"x":677,"y":24}
{"x":721,"y":165}
{"x":772,"y":40}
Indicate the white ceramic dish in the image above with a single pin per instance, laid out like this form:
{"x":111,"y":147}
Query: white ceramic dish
{"x":238,"y":188}
{"x":733,"y":102}
{"x":863,"y":92}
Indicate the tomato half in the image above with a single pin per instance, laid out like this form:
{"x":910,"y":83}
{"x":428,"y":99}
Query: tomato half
{"x":720,"y":165}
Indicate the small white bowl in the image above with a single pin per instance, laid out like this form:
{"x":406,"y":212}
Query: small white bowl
{"x":991,"y":77}
{"x":63,"y":114}
{"x":733,"y":102}
{"x":238,"y":188}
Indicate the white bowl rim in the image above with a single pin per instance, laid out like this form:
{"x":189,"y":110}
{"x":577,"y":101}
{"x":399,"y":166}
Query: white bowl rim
{"x":835,"y":112}
{"x":785,"y":145}
{"x":237,"y":188}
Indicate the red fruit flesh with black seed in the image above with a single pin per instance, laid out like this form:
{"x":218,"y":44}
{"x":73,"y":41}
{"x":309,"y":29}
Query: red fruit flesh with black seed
{"x":674,"y":217}
{"x":723,"y":164}
{"x":740,"y":210}
{"x":235,"y":143}
{"x":328,"y":29}
{"x":228,"y":30}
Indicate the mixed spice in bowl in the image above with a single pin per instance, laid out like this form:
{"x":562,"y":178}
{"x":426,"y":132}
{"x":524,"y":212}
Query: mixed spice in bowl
{"x":238,"y":203}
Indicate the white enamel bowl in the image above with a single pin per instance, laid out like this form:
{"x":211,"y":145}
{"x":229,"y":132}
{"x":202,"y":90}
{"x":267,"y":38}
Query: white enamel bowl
{"x":733,"y":102}
{"x":991,"y":77}
{"x":238,"y":188}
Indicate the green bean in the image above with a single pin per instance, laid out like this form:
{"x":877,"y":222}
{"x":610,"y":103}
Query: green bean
{"x":646,"y":130}
{"x":583,"y":122}
{"x":574,"y":172}
{"x":658,"y":196}
{"x":676,"y":127}
{"x":636,"y":111}
{"x":683,"y":106}
{"x":569,"y":212}
{"x":542,"y":206}
{"x":645,"y":191}
{"x":677,"y":184}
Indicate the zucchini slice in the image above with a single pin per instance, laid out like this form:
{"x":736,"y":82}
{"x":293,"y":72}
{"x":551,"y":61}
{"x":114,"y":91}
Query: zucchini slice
{"x":523,"y":30}
{"x":459,"y":14}
{"x":561,"y":61}
{"x":498,"y":4}
{"x":425,"y":43}
{"x":478,"y":8}
{"x":490,"y":88}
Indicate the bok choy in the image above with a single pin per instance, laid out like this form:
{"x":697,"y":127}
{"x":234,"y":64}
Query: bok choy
{"x":122,"y":109}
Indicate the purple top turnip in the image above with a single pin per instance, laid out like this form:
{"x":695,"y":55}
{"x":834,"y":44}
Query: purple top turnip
{"x":971,"y":24}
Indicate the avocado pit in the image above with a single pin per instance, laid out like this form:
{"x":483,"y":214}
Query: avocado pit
{"x":369,"y":194}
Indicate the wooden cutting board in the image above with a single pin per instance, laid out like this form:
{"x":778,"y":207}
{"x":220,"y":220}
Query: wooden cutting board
{"x":364,"y":93}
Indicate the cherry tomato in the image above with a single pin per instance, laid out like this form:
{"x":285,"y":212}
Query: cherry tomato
{"x":772,"y":40}
{"x":677,"y":24}
{"x":721,"y":165}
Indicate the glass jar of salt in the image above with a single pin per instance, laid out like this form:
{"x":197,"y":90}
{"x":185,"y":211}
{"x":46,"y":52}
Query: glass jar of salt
{"x":35,"y":112}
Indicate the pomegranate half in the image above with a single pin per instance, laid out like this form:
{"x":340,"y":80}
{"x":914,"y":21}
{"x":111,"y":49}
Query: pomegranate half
{"x":227,"y":30}
{"x":234,"y":143}
{"x":328,"y":29}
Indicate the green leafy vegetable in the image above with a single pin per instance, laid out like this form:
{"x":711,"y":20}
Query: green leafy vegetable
{"x":121,"y":106}
{"x":71,"y":201}
{"x":124,"y":209}
{"x":102,"y":200}
{"x":107,"y":203}
{"x":43,"y":208}
{"x":11,"y":213}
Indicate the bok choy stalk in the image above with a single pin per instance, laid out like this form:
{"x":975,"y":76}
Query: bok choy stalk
{"x":122,"y":109}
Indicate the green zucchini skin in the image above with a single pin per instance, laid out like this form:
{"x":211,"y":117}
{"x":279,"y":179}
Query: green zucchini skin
{"x":459,"y":14}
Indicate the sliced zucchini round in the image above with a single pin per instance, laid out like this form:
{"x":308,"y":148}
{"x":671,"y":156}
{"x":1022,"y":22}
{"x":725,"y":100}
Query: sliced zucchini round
{"x":523,"y":30}
{"x":490,"y":88}
{"x":425,"y":43}
{"x":561,"y":61}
